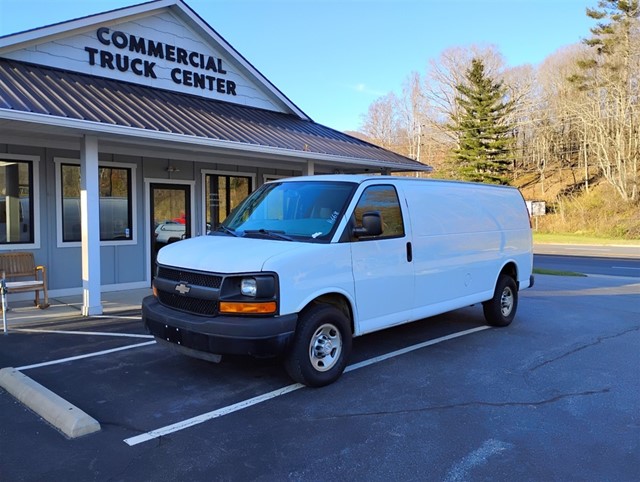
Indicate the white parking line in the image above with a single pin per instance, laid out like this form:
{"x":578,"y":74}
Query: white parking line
{"x":97,"y":333}
{"x":623,"y":267}
{"x":145,"y":437}
{"x":113,"y":317}
{"x":88,"y":355}
{"x":411,"y":348}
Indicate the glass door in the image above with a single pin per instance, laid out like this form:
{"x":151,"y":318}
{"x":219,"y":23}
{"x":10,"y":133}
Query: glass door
{"x":170,"y":209}
{"x":223,"y":193}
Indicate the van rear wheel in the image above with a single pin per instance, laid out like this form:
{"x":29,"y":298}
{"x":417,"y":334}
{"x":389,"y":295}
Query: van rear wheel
{"x":501,"y":309}
{"x":320,"y":348}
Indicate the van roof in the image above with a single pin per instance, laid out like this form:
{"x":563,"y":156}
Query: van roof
{"x":360,"y":178}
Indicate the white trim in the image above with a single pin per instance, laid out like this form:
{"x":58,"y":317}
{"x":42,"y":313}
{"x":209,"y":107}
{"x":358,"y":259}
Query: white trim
{"x":309,"y":169}
{"x":203,"y":190}
{"x":273,"y":177}
{"x":241,"y":61}
{"x":179,"y":9}
{"x":35,"y":160}
{"x":22,"y":40}
{"x":90,"y":226}
{"x":189,"y":140}
{"x":147,"y":215}
{"x":141,"y":148}
{"x":58,"y":161}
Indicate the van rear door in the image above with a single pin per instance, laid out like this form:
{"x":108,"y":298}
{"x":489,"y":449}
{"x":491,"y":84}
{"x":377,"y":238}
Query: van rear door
{"x":382,"y":266}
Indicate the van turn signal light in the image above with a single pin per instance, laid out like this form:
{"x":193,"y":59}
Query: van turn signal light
{"x":236,"y":307}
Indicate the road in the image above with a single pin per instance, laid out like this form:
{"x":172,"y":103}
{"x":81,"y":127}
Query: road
{"x":589,"y":250}
{"x":601,"y":260}
{"x":588,"y":265}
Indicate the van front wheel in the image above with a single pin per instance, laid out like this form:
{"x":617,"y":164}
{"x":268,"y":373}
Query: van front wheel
{"x":501,"y":309}
{"x":320,"y":347}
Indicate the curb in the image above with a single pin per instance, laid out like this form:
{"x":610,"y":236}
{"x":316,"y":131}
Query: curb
{"x":64,"y":416}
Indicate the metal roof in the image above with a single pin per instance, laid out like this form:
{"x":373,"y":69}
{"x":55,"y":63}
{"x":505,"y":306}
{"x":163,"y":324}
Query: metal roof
{"x":33,"y":89}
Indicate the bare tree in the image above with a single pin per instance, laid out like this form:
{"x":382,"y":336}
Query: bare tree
{"x":411,"y":114}
{"x":448,"y":71}
{"x":380,"y":123}
{"x":556,"y":127}
{"x":610,"y":82}
{"x":439,"y":92}
{"x":520,"y":84}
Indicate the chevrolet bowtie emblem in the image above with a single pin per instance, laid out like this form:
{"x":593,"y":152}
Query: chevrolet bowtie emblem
{"x":183,"y":288}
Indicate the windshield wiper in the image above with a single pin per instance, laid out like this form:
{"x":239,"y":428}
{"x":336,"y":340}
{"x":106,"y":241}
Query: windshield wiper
{"x":269,"y":233}
{"x":227,"y":230}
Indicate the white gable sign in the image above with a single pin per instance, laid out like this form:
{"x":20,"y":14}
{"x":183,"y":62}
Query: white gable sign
{"x":140,"y":56}
{"x":158,"y":51}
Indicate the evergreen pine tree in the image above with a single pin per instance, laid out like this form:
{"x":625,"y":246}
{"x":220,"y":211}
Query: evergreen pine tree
{"x":612,"y":41}
{"x":481,"y":127}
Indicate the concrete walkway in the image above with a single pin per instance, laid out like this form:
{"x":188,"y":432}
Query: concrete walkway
{"x":69,"y":308}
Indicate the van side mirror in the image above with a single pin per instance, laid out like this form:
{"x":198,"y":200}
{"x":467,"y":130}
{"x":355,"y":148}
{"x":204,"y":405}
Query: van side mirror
{"x":371,"y":225}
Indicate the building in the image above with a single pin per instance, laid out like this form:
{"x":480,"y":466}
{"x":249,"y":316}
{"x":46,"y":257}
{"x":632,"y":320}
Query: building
{"x":126,"y":130}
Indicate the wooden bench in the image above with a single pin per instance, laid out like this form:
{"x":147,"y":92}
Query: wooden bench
{"x":19,"y":272}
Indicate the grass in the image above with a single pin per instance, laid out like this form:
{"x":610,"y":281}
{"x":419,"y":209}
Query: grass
{"x":580,"y":239}
{"x":554,"y":272}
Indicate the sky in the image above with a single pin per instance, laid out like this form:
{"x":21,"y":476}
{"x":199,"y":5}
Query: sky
{"x":334,"y":58}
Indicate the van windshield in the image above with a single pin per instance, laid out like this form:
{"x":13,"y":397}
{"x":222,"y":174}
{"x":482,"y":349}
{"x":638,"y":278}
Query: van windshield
{"x":295,"y":210}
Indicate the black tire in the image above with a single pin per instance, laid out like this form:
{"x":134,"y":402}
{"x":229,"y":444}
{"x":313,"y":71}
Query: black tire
{"x":501,"y":309}
{"x":321,"y":346}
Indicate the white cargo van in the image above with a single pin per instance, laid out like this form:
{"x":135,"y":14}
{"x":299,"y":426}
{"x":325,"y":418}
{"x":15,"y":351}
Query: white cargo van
{"x":303,"y":265}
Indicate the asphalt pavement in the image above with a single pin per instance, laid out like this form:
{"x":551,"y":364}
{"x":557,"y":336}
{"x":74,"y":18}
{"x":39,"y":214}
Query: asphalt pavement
{"x":554,"y":396}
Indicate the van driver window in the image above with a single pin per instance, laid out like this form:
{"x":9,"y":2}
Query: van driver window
{"x":383,"y":199}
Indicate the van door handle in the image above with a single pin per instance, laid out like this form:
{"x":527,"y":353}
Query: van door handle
{"x":409,"y":253}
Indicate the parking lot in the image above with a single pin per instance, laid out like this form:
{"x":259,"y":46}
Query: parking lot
{"x":555,"y":396}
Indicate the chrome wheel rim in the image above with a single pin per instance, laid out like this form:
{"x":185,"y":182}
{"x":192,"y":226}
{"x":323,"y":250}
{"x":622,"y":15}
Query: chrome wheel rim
{"x":325,"y":347}
{"x":506,"y":302}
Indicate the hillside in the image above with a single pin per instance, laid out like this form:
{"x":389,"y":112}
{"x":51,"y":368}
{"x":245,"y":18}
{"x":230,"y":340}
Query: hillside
{"x":571,"y":209}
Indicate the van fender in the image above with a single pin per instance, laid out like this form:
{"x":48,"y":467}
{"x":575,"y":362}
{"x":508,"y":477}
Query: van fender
{"x":510,"y":266}
{"x":337,"y":297}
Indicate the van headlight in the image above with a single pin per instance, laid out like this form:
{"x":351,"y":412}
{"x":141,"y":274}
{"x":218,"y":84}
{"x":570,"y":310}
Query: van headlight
{"x":249,"y":287}
{"x":249,"y":294}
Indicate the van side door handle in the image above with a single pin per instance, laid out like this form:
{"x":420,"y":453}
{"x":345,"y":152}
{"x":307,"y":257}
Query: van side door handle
{"x":409,"y":252}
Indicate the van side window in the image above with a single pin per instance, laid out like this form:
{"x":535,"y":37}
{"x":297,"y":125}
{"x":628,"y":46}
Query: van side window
{"x":383,"y":199}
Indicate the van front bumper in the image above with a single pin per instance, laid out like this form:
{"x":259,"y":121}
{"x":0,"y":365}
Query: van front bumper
{"x":220,"y":335}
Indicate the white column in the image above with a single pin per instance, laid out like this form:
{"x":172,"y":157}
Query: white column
{"x":90,"y":226}
{"x":310,"y":169}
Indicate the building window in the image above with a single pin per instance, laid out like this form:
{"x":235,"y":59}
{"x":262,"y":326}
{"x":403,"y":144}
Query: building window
{"x":16,"y":202}
{"x":115,"y":203}
{"x":223,"y":193}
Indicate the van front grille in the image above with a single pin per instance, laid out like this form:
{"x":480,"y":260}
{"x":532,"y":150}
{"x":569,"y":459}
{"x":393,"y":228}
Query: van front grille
{"x":187,"y":301}
{"x":189,"y":277}
{"x":196,"y":306}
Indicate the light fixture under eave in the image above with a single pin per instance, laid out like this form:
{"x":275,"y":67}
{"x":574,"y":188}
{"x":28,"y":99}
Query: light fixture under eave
{"x":172,"y":169}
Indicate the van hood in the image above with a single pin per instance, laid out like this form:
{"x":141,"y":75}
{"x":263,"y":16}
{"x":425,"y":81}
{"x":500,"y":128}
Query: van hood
{"x":223,"y":254}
